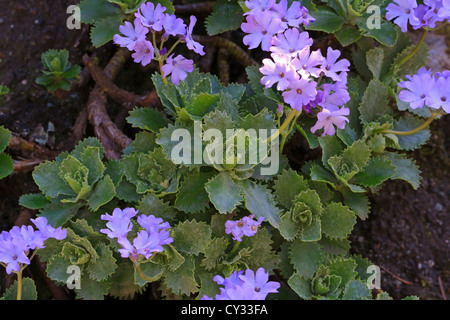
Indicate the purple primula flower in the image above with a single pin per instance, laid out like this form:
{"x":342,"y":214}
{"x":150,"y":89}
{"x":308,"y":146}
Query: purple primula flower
{"x":144,"y":52}
{"x":443,"y":11}
{"x":190,"y":42}
{"x":301,"y":92}
{"x":402,"y":12}
{"x":173,"y":26}
{"x":331,"y":66}
{"x":244,"y":227}
{"x":133,"y":35}
{"x":260,"y":28}
{"x":257,"y":6}
{"x":327,"y":119}
{"x":332,"y":96}
{"x":119,"y":223}
{"x":232,"y":280}
{"x":439,"y":96}
{"x":32,"y":239}
{"x":290,"y":42}
{"x":280,"y":72}
{"x":13,"y":253}
{"x":152,"y":223}
{"x":178,"y":68}
{"x":47,"y":230}
{"x":309,"y":63}
{"x":418,"y":88}
{"x":151,"y":17}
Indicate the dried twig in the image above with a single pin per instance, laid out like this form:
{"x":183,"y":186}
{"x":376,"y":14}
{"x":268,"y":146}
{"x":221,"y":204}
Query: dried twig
{"x":441,"y":286}
{"x":397,"y":277}
{"x":223,"y":66}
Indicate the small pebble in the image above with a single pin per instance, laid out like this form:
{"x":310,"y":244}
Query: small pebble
{"x":438,"y":207}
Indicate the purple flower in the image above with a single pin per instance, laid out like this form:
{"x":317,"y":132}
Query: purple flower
{"x":444,"y":10}
{"x":32,"y":239}
{"x":332,"y":96}
{"x":281,"y":72}
{"x":402,"y":12}
{"x":12,"y":253}
{"x":301,"y":92}
{"x":257,"y":6}
{"x":331,"y":68}
{"x":248,"y":286}
{"x":178,"y":67}
{"x":119,"y":223}
{"x":132,"y":34}
{"x":418,"y":87}
{"x":144,"y":52}
{"x":291,"y":42}
{"x":151,"y":17}
{"x":191,"y":43}
{"x":152,"y":223}
{"x":244,"y":227}
{"x":309,"y":63}
{"x":173,"y":26}
{"x":47,"y":230}
{"x":439,"y":96}
{"x":260,"y":28}
{"x":293,"y":16}
{"x":327,"y":119}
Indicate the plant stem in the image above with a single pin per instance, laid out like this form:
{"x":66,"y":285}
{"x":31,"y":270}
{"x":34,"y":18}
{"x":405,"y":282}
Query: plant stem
{"x":19,"y":284}
{"x":235,"y":248}
{"x":419,"y":128}
{"x":422,"y":39}
{"x":284,"y":125}
{"x":162,"y":73}
{"x":141,"y":274}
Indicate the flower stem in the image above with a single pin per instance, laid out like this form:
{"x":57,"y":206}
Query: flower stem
{"x":419,"y":128}
{"x":235,"y":248}
{"x":19,"y":285}
{"x":162,"y":73}
{"x":141,"y":274}
{"x":284,"y":125}
{"x":422,"y":39}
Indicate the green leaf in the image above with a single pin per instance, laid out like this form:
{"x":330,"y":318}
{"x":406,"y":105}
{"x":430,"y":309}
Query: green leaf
{"x":357,"y":290}
{"x":352,"y":160}
{"x":182,"y":280}
{"x":305,"y":257}
{"x":386,"y":34}
{"x":33,"y":201}
{"x":47,"y":177}
{"x":413,"y":141}
{"x":28,"y":290}
{"x":191,"y":237}
{"x":147,"y":119}
{"x":6,"y":165}
{"x":92,"y":289}
{"x":260,"y":202}
{"x":410,"y":67}
{"x":287,"y":186}
{"x":215,"y":252}
{"x":84,"y":144}
{"x":105,"y":29}
{"x":200,"y":104}
{"x":123,"y":286}
{"x":374,"y":105}
{"x":76,"y":175}
{"x":103,"y":192}
{"x":358,"y":202}
{"x":337,"y":221}
{"x":224,"y":193}
{"x":91,"y":159}
{"x":150,"y":204}
{"x":58,"y":214}
{"x":374,"y":58}
{"x":226,"y":16}
{"x":347,"y":35}
{"x":405,"y":169}
{"x":5,"y":136}
{"x":105,"y":265}
{"x":192,"y":196}
{"x":301,"y":285}
{"x":95,"y":10}
{"x":327,"y":20}
{"x":376,"y":172}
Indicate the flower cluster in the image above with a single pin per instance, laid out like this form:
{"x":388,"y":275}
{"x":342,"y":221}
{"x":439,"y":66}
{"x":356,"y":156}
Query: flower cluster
{"x":153,"y":235}
{"x":16,"y":244}
{"x":153,"y":19}
{"x":307,"y":78}
{"x":248,"y":286}
{"x":424,"y":15}
{"x":424,"y":88}
{"x":247,"y":226}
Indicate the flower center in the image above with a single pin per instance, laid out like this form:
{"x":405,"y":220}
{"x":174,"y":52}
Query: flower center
{"x":257,"y":289}
{"x":253,"y":228}
{"x":443,"y":99}
{"x":407,"y":11}
{"x":240,"y":224}
{"x":299,"y":91}
{"x":422,"y":96}
{"x":281,"y":75}
{"x":264,"y":32}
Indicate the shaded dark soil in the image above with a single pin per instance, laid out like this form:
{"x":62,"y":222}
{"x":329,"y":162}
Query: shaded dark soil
{"x":406,"y":234}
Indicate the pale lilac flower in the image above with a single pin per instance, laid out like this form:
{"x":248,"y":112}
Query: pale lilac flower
{"x":257,"y":6}
{"x":280,"y":72}
{"x":418,"y":88}
{"x":132,"y":34}
{"x":12,"y":253}
{"x":293,"y":16}
{"x":402,"y":12}
{"x":332,"y":96}
{"x":244,"y":227}
{"x":331,"y":66}
{"x":290,"y":42}
{"x":173,"y":26}
{"x":439,"y":96}
{"x":444,"y":10}
{"x":47,"y":230}
{"x":260,"y":28}
{"x":309,"y":63}
{"x":190,"y":42}
{"x":119,"y":223}
{"x":327,"y":119}
{"x":152,"y":223}
{"x":178,"y":68}
{"x":301,"y":92}
{"x":32,"y":239}
{"x":151,"y":17}
{"x":144,"y":52}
